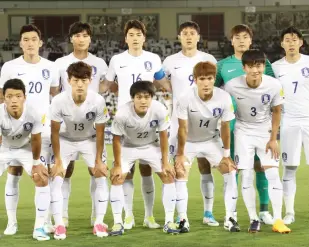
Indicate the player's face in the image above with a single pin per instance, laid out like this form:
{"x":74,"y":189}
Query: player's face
{"x":189,"y":38}
{"x":30,"y":43}
{"x":135,"y":39}
{"x":142,"y":101}
{"x":254,"y":72}
{"x":205,"y":84}
{"x":81,"y":41}
{"x":241,"y":42}
{"x":14,"y":100}
{"x":291,"y":43}
{"x":79,"y":86}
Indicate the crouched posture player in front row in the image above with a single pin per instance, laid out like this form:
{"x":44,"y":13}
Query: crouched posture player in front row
{"x":21,"y":128}
{"x":134,"y":129}
{"x":198,"y":113}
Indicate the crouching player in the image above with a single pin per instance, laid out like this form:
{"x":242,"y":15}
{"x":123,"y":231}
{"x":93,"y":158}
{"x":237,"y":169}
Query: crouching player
{"x":259,"y":100}
{"x":84,"y":113}
{"x":21,"y":128}
{"x":134,"y":129}
{"x":198,"y":113}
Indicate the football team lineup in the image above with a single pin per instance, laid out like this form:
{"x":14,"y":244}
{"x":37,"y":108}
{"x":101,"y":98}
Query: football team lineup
{"x":53,"y":112}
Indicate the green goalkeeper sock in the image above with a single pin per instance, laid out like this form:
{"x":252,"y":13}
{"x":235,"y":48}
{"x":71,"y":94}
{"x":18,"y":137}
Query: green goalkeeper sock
{"x":262,"y":187}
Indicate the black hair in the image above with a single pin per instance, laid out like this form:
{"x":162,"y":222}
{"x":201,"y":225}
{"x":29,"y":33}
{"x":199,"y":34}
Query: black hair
{"x":253,"y":56}
{"x":142,"y":87}
{"x":30,"y":28}
{"x":16,"y":84}
{"x":291,"y":30}
{"x":78,"y":27}
{"x":191,"y":24}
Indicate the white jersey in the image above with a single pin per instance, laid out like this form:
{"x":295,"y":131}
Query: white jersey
{"x":180,"y":70}
{"x":140,"y":131}
{"x":203,"y":117}
{"x":38,"y":79}
{"x":294,"y":79}
{"x":16,"y":133}
{"x":79,"y":120}
{"x":253,"y":113}
{"x":127,"y":69}
{"x":99,"y":69}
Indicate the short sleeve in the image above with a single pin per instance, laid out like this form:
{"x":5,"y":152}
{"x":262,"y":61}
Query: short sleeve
{"x":5,"y":74}
{"x":118,"y":125}
{"x":56,"y":114}
{"x":278,"y":98}
{"x":102,"y":111}
{"x":37,"y":125}
{"x":182,"y":109}
{"x":55,"y":76}
{"x":103,"y":70}
{"x":164,"y":121}
{"x":166,"y":68}
{"x":219,"y":80}
{"x":111,"y":73}
{"x":268,"y":69}
{"x":228,"y":111}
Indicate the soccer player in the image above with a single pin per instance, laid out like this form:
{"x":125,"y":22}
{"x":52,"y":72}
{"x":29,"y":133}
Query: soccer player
{"x":179,"y":68}
{"x":41,"y":80}
{"x":136,"y":64}
{"x":19,"y":123}
{"x":229,"y":68}
{"x":259,"y":99}
{"x":134,"y":138}
{"x":80,"y":36}
{"x":84,"y":113}
{"x":199,"y":110}
{"x":293,"y":73}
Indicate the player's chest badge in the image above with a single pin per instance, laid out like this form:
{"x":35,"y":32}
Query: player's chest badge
{"x":46,"y":74}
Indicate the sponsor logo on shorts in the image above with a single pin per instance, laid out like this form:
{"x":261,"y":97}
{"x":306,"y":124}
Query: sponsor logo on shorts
{"x":284,"y":156}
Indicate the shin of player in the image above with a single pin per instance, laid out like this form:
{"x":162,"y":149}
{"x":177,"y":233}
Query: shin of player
{"x":259,"y":99}
{"x":136,"y":124}
{"x":18,"y":123}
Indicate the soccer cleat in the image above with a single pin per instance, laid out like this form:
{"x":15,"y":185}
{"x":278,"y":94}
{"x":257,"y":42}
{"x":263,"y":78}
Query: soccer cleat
{"x":60,"y":233}
{"x":231,"y":225}
{"x":100,"y":230}
{"x":151,"y":223}
{"x":48,"y":227}
{"x":266,"y":218}
{"x":280,"y":227}
{"x":117,"y":230}
{"x":209,"y":219}
{"x":65,"y":221}
{"x":255,"y":226}
{"x":171,"y":228}
{"x":129,"y":223}
{"x":288,"y":219}
{"x":183,"y":226}
{"x":40,"y":235}
{"x":11,"y":229}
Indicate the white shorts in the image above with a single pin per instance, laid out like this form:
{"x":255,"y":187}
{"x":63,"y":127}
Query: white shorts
{"x":212,"y":150}
{"x":247,"y":146}
{"x":87,"y":149}
{"x":16,"y":157}
{"x":149,"y":154}
{"x":292,"y":138}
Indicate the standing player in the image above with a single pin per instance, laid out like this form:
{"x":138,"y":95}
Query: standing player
{"x":134,"y":129}
{"x":80,"y":109}
{"x":179,"y":68}
{"x":80,"y":36}
{"x":259,"y":98}
{"x":199,"y":111}
{"x":20,"y":126}
{"x":41,"y":80}
{"x":131,"y":66}
{"x":293,"y":73}
{"x":229,"y":68}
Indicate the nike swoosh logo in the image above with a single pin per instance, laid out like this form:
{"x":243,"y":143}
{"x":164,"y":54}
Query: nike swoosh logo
{"x":103,"y":201}
{"x":245,"y":188}
{"x":173,"y":200}
{"x":121,"y":67}
{"x":234,"y":198}
{"x":178,"y":200}
{"x":281,"y":76}
{"x":177,"y":67}
{"x":276,"y":188}
{"x":130,"y":127}
{"x":10,"y":195}
{"x":193,"y":111}
{"x":19,"y":74}
{"x":240,"y":98}
{"x":286,"y":180}
{"x":54,"y":201}
{"x":65,"y":115}
{"x":41,"y":210}
{"x":115,"y":201}
{"x":231,"y":70}
{"x":208,"y":197}
{"x":149,"y":192}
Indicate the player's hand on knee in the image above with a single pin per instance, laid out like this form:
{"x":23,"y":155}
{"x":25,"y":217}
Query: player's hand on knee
{"x":226,"y":165}
{"x":180,"y":162}
{"x":100,"y":169}
{"x":116,"y":174}
{"x":168,"y":170}
{"x":57,"y":170}
{"x":274,"y":149}
{"x":39,"y":175}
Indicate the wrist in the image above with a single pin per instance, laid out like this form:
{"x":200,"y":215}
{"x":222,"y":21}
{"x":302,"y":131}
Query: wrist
{"x":226,"y":153}
{"x":36,"y":162}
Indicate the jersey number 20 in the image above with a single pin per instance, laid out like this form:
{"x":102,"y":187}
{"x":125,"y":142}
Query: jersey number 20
{"x":35,"y":87}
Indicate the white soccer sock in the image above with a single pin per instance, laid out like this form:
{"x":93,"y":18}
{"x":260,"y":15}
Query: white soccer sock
{"x":42,"y":202}
{"x":208,"y":189}
{"x":48,"y":216}
{"x":248,"y":192}
{"x":66,"y":191}
{"x":275,"y":191}
{"x":93,"y":187}
{"x":101,"y":199}
{"x":181,"y":198}
{"x":148,"y":191}
{"x":231,"y":193}
{"x":128,"y":191}
{"x":169,"y":201}
{"x":117,"y":201}
{"x":11,"y":197}
{"x":289,"y":188}
{"x":57,"y":200}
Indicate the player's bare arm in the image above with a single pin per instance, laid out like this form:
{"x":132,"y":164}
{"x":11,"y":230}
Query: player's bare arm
{"x":100,"y":169}
{"x":116,"y":170}
{"x":1,"y":96}
{"x":275,"y":122}
{"x":182,"y":138}
{"x":167,"y":169}
{"x":226,"y":139}
{"x":57,"y":169}
{"x":54,"y":91}
{"x":164,"y":83}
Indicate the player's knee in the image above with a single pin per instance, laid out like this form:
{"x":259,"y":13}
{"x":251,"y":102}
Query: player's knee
{"x":247,"y":177}
{"x":182,"y":173}
{"x":70,"y":169}
{"x":117,"y":180}
{"x":167,"y":179}
{"x":40,"y":181}
{"x":225,"y":168}
{"x":145,"y":170}
{"x":130,"y":175}
{"x":15,"y":170}
{"x":258,"y":167}
{"x":204,"y":166}
{"x":289,"y":172}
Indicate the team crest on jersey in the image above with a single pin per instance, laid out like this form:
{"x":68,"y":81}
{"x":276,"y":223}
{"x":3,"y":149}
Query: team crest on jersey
{"x":236,"y":159}
{"x":45,"y":74}
{"x":265,"y":99}
{"x":148,"y":66}
{"x":305,"y":72}
{"x":94,"y":70}
{"x":90,"y":116}
{"x":28,"y":126}
{"x":284,"y":156}
{"x":154,"y":123}
{"x":216,"y":112}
